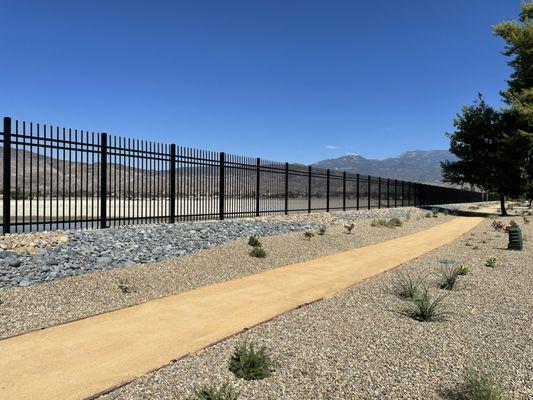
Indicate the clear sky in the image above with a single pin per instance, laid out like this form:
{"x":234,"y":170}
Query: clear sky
{"x":284,"y":80}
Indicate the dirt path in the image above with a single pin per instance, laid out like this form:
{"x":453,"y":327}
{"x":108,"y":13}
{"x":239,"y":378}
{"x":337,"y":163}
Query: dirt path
{"x":83,"y":358}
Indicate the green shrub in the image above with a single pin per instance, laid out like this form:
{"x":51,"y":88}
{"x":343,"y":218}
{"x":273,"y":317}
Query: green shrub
{"x":378,"y":222}
{"x":463,"y":269}
{"x":497,"y":225}
{"x":349,"y":227}
{"x":258,"y":252}
{"x":308,"y":235}
{"x":491,"y":262}
{"x":427,"y":215}
{"x":435,"y":212}
{"x":407,"y":286}
{"x":224,"y":392}
{"x":426,"y":308}
{"x":448,"y":277}
{"x":322,"y":231}
{"x":481,"y":385}
{"x":394,"y":222}
{"x":254,"y":241}
{"x":250,"y":363}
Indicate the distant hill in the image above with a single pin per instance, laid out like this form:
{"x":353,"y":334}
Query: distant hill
{"x":418,"y":165}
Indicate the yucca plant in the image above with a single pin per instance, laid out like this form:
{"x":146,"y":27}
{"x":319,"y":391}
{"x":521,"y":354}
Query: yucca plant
{"x":463,"y":269}
{"x":349,"y":227}
{"x":481,"y":385}
{"x":258,"y":252}
{"x":497,"y":225}
{"x":308,"y":235}
{"x":426,"y":308}
{"x":407,"y":286}
{"x":250,"y":363}
{"x":254,"y":241}
{"x":124,"y":285}
{"x":491,"y":262}
{"x":394,"y":222}
{"x":224,"y":392}
{"x":435,"y":212}
{"x":448,"y":277}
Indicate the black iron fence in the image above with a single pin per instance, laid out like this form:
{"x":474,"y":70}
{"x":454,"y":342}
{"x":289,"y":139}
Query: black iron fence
{"x":57,"y":178}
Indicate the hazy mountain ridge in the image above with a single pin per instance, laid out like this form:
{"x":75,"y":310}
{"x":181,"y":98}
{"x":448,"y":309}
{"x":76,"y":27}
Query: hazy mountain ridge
{"x":416,"y":165}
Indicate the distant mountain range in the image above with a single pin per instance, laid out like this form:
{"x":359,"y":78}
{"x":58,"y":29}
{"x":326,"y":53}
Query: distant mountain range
{"x":416,"y":166}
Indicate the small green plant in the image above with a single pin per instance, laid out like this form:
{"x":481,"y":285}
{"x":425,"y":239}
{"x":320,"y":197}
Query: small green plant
{"x":526,"y":219}
{"x":491,"y":262}
{"x":224,"y":392}
{"x":308,"y":235}
{"x":497,"y":225}
{"x":378,"y":222}
{"x":427,"y":215}
{"x":322,"y":231}
{"x":349,"y":227}
{"x":463,"y":269}
{"x":254,"y":241}
{"x":250,"y":363}
{"x":258,"y":252}
{"x":124,"y":285}
{"x":448,"y":277}
{"x":426,"y":308}
{"x":394,"y":222}
{"x":407,"y":286}
{"x":435,"y":212}
{"x":480,"y":385}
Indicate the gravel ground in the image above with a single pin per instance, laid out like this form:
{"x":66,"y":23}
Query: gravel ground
{"x":37,"y":306}
{"x":83,"y":251}
{"x":359,"y":344}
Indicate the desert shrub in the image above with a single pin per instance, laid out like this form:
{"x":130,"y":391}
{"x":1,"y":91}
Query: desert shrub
{"x":124,"y":285}
{"x":427,"y":215}
{"x":463,"y":269}
{"x":258,"y":252}
{"x":322,"y":231}
{"x":435,"y":212}
{"x":491,"y":262}
{"x":426,"y":307}
{"x":394,"y":222}
{"x":448,"y":277}
{"x":308,"y":235}
{"x":526,"y":219}
{"x":250,"y":363}
{"x":224,"y":392}
{"x":497,"y":225}
{"x":407,"y":286}
{"x":378,"y":222}
{"x":349,"y":227}
{"x":480,"y":385}
{"x":254,"y":241}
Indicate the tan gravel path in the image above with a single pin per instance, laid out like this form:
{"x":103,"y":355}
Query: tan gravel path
{"x":82,"y":358}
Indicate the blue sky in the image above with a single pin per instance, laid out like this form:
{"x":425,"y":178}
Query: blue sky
{"x":284,"y":80}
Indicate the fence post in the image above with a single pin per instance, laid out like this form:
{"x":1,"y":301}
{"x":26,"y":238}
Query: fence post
{"x":172,"y":189}
{"x":344,"y":191}
{"x":103,"y":180}
{"x":6,"y":189}
{"x":403,"y":182}
{"x":327,"y":191}
{"x":379,"y":192}
{"x":286,"y":188}
{"x":369,"y":187}
{"x":395,"y":193}
{"x":221,"y":188}
{"x":388,"y":192}
{"x":257,"y":185}
{"x":357,"y":204}
{"x":309,"y":192}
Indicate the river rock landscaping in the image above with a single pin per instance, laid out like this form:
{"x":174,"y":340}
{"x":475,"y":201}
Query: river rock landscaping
{"x":40,"y":257}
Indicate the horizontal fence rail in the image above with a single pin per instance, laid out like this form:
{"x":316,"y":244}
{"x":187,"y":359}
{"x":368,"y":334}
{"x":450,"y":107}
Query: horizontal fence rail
{"x":58,"y":178}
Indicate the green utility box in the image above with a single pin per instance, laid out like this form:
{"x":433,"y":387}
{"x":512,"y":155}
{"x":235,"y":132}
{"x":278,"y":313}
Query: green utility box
{"x":515,"y":239}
